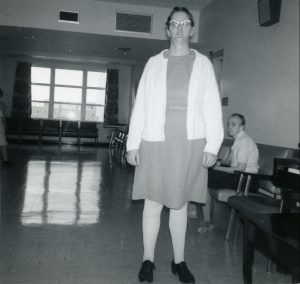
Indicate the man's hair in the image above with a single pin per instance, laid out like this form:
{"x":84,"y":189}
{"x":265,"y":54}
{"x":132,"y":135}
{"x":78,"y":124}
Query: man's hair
{"x":180,"y":9}
{"x":241,"y":117}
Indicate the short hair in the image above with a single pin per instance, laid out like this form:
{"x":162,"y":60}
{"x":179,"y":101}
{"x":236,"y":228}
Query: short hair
{"x":241,"y":117}
{"x":180,"y":9}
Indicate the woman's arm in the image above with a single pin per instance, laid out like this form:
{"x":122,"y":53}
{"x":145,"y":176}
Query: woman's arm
{"x":138,"y":116}
{"x":212,"y":111}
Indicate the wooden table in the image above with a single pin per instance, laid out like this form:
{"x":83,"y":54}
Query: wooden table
{"x":277,"y":235}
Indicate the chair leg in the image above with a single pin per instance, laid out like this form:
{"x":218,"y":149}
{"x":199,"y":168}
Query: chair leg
{"x":207,"y":209}
{"x":212,"y":208}
{"x":230,"y":224}
{"x":123,"y":153}
{"x":269,"y":266}
{"x":111,"y":142}
{"x":236,"y":232}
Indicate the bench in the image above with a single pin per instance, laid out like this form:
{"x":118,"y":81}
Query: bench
{"x":45,"y":129}
{"x":88,"y":130}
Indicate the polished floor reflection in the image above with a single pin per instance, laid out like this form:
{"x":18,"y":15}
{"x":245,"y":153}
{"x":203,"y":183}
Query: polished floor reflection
{"x":60,"y":192}
{"x":67,"y":218}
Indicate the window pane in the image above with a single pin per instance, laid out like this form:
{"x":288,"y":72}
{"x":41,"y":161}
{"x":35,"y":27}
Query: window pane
{"x":40,"y":75}
{"x":40,"y":93}
{"x":94,"y":113}
{"x":67,"y":111}
{"x":68,"y":77}
{"x":39,"y":110}
{"x":96,"y":79}
{"x":67,"y":95}
{"x":96,"y":97}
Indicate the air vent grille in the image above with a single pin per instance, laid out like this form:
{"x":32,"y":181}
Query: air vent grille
{"x":133,"y":23}
{"x":69,"y":17}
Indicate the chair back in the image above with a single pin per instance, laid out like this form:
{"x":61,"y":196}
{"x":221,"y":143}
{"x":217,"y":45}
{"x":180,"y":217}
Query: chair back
{"x":267,"y":155}
{"x":224,"y":152}
{"x":287,"y":176}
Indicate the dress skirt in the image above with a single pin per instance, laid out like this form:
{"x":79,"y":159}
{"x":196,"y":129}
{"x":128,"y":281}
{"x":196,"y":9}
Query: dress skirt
{"x":171,"y":172}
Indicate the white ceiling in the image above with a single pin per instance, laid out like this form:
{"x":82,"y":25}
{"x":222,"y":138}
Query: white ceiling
{"x":43,"y":43}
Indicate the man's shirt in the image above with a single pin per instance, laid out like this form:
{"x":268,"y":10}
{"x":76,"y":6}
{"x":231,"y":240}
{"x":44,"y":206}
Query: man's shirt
{"x":244,"y":150}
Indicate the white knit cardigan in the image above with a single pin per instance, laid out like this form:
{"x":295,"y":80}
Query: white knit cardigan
{"x":204,"y":114}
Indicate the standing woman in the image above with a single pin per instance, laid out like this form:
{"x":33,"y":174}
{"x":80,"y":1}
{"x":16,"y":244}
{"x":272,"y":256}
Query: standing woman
{"x":175,"y":133}
{"x":3,"y":142}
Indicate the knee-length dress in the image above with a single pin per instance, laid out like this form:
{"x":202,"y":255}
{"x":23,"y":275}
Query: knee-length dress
{"x":171,"y":172}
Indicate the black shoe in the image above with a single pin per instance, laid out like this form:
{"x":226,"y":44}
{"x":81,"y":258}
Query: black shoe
{"x":146,"y":271}
{"x":185,"y":276}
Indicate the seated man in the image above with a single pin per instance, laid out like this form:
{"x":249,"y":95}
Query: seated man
{"x":243,"y":157}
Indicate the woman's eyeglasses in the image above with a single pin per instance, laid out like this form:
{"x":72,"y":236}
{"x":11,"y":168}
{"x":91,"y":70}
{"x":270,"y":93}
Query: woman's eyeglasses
{"x":183,"y":24}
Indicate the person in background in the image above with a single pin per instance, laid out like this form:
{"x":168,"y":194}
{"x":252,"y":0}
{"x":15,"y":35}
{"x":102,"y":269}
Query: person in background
{"x":174,"y":135}
{"x":244,"y":156}
{"x":3,"y":142}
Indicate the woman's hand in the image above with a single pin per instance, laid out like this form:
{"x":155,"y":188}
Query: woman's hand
{"x":209,"y":159}
{"x":133,"y":157}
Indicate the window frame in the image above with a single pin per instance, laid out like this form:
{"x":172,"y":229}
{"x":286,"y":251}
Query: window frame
{"x":83,"y":88}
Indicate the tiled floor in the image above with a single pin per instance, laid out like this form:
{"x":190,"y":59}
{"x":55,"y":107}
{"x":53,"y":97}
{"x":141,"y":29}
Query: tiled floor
{"x":67,"y":218}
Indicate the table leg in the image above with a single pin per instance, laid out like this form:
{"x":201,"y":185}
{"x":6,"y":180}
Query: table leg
{"x":248,"y":255}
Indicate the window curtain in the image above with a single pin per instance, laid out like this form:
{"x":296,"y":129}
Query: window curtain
{"x":21,"y":104}
{"x":111,"y":109}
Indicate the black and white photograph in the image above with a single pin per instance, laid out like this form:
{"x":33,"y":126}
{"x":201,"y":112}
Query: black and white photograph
{"x":149,"y":141}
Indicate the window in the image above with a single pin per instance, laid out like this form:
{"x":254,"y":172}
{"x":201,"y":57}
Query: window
{"x":95,"y":96}
{"x":40,"y":91}
{"x":67,"y":94}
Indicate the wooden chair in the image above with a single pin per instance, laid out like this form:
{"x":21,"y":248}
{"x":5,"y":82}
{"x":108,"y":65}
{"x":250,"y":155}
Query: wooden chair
{"x":116,"y":137}
{"x":263,"y":184}
{"x":287,"y":177}
{"x":266,"y":167}
{"x":117,"y":145}
{"x":251,"y":203}
{"x":248,"y":203}
{"x":122,"y":146}
{"x":268,"y":196}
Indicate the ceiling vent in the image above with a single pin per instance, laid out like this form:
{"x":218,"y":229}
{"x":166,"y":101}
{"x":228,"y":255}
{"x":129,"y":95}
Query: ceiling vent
{"x":123,"y":51}
{"x":68,"y":17}
{"x":126,"y":22}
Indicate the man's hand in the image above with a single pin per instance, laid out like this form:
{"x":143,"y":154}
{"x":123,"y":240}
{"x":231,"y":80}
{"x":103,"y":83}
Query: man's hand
{"x":209,"y":159}
{"x":133,"y":157}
